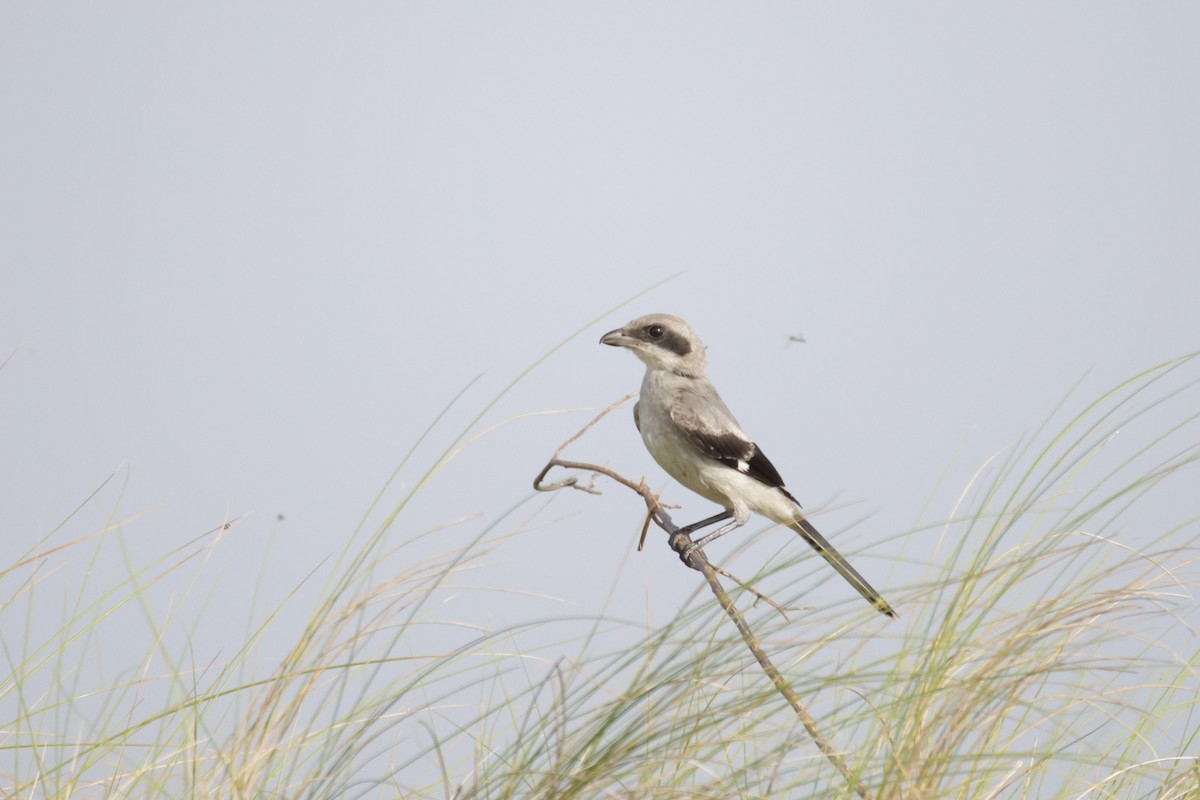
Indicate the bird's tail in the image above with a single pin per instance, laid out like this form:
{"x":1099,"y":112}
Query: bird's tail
{"x":835,"y":559}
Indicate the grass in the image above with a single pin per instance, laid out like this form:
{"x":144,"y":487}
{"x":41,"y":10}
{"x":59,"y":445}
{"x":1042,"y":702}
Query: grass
{"x":1046,"y":650}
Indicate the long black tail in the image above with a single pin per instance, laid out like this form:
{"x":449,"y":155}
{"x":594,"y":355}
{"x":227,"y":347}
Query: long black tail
{"x":838,"y":562}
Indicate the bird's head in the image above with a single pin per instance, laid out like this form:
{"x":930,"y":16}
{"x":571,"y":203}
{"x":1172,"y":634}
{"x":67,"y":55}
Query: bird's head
{"x":662,"y":342}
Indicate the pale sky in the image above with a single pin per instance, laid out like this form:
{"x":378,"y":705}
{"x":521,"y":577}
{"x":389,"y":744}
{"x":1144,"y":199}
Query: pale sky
{"x":251,"y":250}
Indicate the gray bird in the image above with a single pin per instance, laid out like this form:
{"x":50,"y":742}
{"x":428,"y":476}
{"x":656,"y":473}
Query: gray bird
{"x":695,"y":438}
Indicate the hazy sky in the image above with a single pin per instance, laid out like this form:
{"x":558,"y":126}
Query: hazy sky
{"x":250,"y":251}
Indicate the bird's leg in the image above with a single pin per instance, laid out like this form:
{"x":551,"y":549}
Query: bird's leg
{"x":685,"y":551}
{"x":704,"y":523}
{"x":719,"y":532}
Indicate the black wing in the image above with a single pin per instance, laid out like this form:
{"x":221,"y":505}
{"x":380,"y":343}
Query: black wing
{"x":713,"y":430}
{"x":761,"y":468}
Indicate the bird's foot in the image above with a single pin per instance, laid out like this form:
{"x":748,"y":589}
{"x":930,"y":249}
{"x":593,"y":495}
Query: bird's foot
{"x":687,"y":552}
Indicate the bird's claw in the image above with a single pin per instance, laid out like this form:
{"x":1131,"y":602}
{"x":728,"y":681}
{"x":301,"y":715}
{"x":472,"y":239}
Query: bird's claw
{"x":686,"y":554}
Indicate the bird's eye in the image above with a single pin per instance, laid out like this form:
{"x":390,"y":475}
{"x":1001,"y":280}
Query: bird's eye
{"x":655,"y":331}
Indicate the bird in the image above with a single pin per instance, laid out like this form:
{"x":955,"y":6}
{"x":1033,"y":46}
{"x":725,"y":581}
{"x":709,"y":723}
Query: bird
{"x":695,"y":438}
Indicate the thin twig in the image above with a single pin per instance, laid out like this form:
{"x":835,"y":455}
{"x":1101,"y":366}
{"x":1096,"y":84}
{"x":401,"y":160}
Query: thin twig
{"x":695,"y":558}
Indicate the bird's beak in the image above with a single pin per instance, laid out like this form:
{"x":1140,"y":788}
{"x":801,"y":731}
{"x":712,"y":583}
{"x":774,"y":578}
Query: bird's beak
{"x":615,"y":338}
